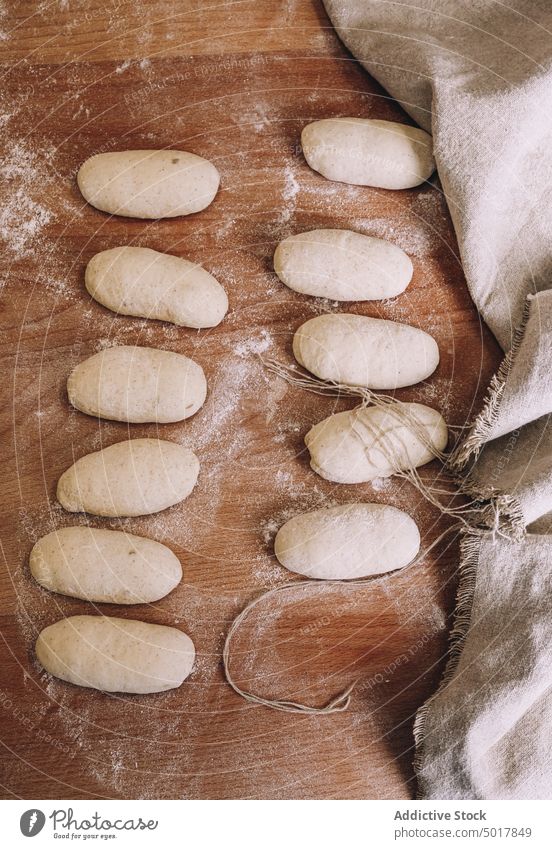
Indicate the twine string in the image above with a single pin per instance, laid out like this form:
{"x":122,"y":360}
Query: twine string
{"x":334,"y":389}
{"x":389,"y":442}
{"x":342,"y":700}
{"x":396,"y":453}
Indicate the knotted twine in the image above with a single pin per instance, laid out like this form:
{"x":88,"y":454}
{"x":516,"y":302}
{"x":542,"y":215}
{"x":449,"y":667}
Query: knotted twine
{"x":402,"y":413}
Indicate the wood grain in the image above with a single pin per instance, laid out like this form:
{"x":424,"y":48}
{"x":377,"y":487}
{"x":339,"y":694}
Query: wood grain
{"x":234,"y":82}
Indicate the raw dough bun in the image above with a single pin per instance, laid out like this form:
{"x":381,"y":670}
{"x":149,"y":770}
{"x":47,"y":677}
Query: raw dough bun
{"x":368,"y":152}
{"x":116,"y":655}
{"x":148,"y":183}
{"x":132,"y":384}
{"x":350,"y":541}
{"x":101,"y":565}
{"x":342,"y":265}
{"x":150,"y":284}
{"x":361,"y":351}
{"x":359,"y":445}
{"x":132,"y":478}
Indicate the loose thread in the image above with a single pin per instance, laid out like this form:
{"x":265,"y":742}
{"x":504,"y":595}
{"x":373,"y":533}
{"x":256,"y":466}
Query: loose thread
{"x":342,"y":700}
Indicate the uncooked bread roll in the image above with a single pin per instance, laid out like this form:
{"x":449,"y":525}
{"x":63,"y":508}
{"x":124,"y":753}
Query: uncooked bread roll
{"x":342,"y":265}
{"x":132,"y":478}
{"x":116,"y":655}
{"x":150,"y":284}
{"x":359,"y":445}
{"x":148,"y":183}
{"x":361,"y":351}
{"x":131,"y":384}
{"x":349,"y":541}
{"x":102,"y":565}
{"x":369,"y":152}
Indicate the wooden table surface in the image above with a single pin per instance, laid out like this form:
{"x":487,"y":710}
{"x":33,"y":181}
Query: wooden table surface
{"x":234,"y":82}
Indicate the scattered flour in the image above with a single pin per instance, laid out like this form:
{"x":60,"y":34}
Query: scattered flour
{"x":120,"y":69}
{"x":380,"y":484}
{"x":269,"y":573}
{"x":255,"y":346}
{"x":21,"y":222}
{"x":290,"y":191}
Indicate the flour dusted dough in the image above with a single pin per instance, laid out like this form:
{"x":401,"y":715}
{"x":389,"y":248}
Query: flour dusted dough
{"x":105,"y":566}
{"x":369,"y":152}
{"x":116,"y":655}
{"x":361,"y":351}
{"x":132,"y":478}
{"x":150,"y":284}
{"x":342,"y":265}
{"x":349,"y":541}
{"x":131,"y":384}
{"x":359,"y":445}
{"x":148,"y":183}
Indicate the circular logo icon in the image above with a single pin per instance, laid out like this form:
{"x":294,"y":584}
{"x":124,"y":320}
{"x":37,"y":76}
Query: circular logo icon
{"x":32,"y":822}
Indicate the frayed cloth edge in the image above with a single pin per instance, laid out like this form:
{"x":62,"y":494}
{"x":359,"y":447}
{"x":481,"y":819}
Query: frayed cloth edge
{"x":484,"y":422}
{"x":470,"y":546}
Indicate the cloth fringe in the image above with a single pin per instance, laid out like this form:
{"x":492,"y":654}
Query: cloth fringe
{"x":470,"y":447}
{"x":469,"y":556}
{"x":500,"y":514}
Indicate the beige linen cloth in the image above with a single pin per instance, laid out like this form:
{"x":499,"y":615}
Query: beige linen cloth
{"x":478,"y":75}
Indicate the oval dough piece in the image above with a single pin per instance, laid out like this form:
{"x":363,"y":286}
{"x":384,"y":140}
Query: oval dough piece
{"x":361,"y":351}
{"x":132,"y":384}
{"x":342,"y":265}
{"x":102,"y":565}
{"x":349,"y":541}
{"x":116,"y":655}
{"x":148,"y":183}
{"x":369,"y":152}
{"x":150,"y":284}
{"x":359,"y":445}
{"x":132,"y":478}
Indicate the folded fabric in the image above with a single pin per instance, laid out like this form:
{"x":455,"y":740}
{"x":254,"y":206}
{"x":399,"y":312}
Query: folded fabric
{"x":486,"y":733}
{"x":478,"y":76}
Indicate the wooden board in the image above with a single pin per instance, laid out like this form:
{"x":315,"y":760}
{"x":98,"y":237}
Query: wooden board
{"x":235,"y":83}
